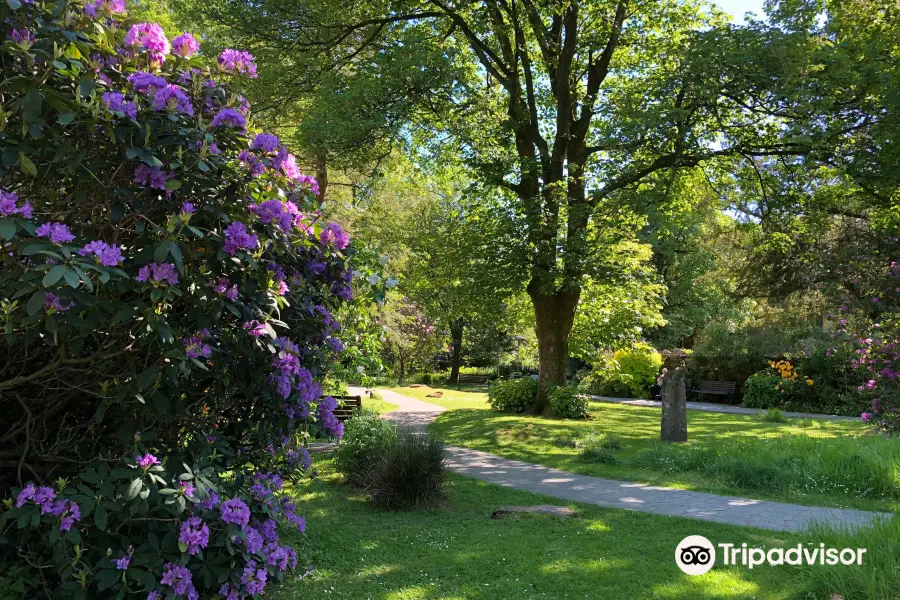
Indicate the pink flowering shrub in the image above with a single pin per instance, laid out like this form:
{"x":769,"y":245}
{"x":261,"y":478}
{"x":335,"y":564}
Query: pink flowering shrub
{"x":168,"y":298}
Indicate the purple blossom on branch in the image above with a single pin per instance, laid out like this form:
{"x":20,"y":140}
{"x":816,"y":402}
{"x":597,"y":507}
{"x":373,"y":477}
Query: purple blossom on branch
{"x":108,"y":7}
{"x":52,"y":302}
{"x":155,"y":177}
{"x":104,"y":254}
{"x":194,"y":346}
{"x":235,"y":511}
{"x":229,"y":117}
{"x":172,"y":98}
{"x":255,"y":328}
{"x":161,"y":274}
{"x":185,"y":45}
{"x":9,"y":205}
{"x":115,"y":101}
{"x":57,"y":232}
{"x":146,"y":83}
{"x":237,"y":61}
{"x":265,"y":142}
{"x":146,"y":461}
{"x":335,"y":236}
{"x":122,"y":563}
{"x":194,"y":534}
{"x":152,"y":38}
{"x":237,"y":237}
{"x":178,"y":578}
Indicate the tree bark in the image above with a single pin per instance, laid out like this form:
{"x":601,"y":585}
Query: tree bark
{"x":402,"y":374}
{"x":456,"y":332}
{"x":554,"y":315}
{"x":321,"y":177}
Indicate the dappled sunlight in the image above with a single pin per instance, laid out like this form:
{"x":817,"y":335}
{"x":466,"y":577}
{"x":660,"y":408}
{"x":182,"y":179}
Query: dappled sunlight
{"x":718,"y":583}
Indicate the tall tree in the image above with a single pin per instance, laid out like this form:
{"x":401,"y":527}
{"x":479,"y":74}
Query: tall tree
{"x":565,"y":103}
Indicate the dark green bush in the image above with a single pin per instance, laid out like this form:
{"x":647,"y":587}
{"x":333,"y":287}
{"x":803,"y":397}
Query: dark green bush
{"x":366,"y":438}
{"x":566,"y":403}
{"x":514,"y":395}
{"x":410,"y":473}
{"x":598,"y":447}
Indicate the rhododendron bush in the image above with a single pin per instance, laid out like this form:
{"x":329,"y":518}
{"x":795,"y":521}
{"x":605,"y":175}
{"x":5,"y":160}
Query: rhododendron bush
{"x":167,"y":293}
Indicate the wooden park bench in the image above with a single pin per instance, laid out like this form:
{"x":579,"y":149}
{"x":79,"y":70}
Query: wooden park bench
{"x":347,"y":406}
{"x":472,"y":378}
{"x":714,"y":388}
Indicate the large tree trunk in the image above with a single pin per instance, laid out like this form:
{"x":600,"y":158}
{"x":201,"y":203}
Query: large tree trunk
{"x":322,"y":177}
{"x":554,"y":315}
{"x":402,"y":374}
{"x":456,"y":332}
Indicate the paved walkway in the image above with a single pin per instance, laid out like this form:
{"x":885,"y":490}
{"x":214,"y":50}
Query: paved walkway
{"x":611,"y":493}
{"x":718,"y":408}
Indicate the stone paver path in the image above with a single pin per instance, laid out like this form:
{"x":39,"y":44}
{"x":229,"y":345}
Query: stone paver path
{"x":612,"y":493}
{"x":718,"y":408}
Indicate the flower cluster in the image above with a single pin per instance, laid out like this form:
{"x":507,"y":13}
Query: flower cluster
{"x":66,"y":511}
{"x":194,"y":535}
{"x":116,"y":102}
{"x":158,"y":274}
{"x":104,"y":254}
{"x":57,"y":232}
{"x":194,"y":347}
{"x":237,"y":61}
{"x":151,"y":38}
{"x":237,"y":237}
{"x":9,"y":205}
{"x":185,"y":45}
{"x":154,"y":177}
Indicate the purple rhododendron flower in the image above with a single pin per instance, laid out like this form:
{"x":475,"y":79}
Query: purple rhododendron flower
{"x":266,"y":142}
{"x":194,"y":346}
{"x":152,"y":38}
{"x":235,"y":511}
{"x":255,"y":328}
{"x":194,"y":534}
{"x":237,"y":61}
{"x":9,"y":205}
{"x":178,"y":578}
{"x":282,"y":213}
{"x":52,"y":302}
{"x":254,"y":540}
{"x":23,"y":37}
{"x":122,"y":563}
{"x":252,"y":162}
{"x":212,"y":501}
{"x":115,"y":101}
{"x":335,"y":344}
{"x":253,"y":578}
{"x":146,"y":461}
{"x":237,"y":237}
{"x":68,"y":512}
{"x":286,"y":162}
{"x":866,"y":417}
{"x":155,"y":177}
{"x":106,"y":255}
{"x":146,"y":83}
{"x":108,"y":7}
{"x":334,"y":235}
{"x":188,"y":208}
{"x":172,"y":98}
{"x":229,"y":117}
{"x":158,"y":274}
{"x":185,"y":45}
{"x":57,"y":232}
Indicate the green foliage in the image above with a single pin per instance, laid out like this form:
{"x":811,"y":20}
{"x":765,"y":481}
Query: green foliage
{"x":513,"y":395}
{"x":627,"y":373}
{"x":773,"y":415}
{"x":761,"y":391}
{"x":366,"y":439}
{"x":566,"y":403}
{"x":154,"y":318}
{"x":410,"y":473}
{"x":862,"y":467}
{"x":599,"y":447}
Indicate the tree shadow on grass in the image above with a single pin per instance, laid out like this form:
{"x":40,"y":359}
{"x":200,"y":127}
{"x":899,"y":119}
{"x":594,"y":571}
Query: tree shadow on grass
{"x":460,"y":552}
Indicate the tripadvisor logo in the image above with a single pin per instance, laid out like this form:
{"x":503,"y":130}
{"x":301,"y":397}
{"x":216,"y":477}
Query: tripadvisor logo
{"x":696,"y":555}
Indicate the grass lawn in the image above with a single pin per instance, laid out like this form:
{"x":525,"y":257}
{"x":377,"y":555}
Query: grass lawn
{"x":377,"y":404}
{"x":471,"y":423}
{"x":459,"y":552}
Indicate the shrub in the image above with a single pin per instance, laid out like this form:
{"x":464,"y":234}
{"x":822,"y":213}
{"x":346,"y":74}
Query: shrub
{"x":773,"y":415}
{"x":598,"y":447}
{"x":156,"y":254}
{"x":410,"y":473}
{"x":565,"y":402}
{"x":628,"y":373}
{"x":762,"y":391}
{"x":366,"y":438}
{"x":514,"y":395}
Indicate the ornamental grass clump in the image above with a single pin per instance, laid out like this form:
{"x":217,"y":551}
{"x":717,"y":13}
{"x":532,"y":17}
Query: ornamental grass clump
{"x":163,"y":336}
{"x":410,"y":473}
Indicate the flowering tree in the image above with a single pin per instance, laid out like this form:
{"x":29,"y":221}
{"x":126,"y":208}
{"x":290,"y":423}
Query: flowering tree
{"x":168,"y":293}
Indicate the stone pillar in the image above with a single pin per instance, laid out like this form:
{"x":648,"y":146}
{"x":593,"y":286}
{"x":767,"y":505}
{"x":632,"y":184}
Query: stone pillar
{"x":673,"y":427}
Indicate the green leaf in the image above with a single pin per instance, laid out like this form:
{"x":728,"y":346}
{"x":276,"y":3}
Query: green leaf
{"x":66,"y":118}
{"x":86,"y":87}
{"x":173,"y":184}
{"x":73,"y":536}
{"x":7,"y":229}
{"x":26,"y":165}
{"x":162,"y":251}
{"x":54,"y":275}
{"x":133,"y":488}
{"x":100,"y":518}
{"x":71,"y":278}
{"x":35,"y":303}
{"x":60,"y":65}
{"x":14,"y":4}
{"x":31,"y":105}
